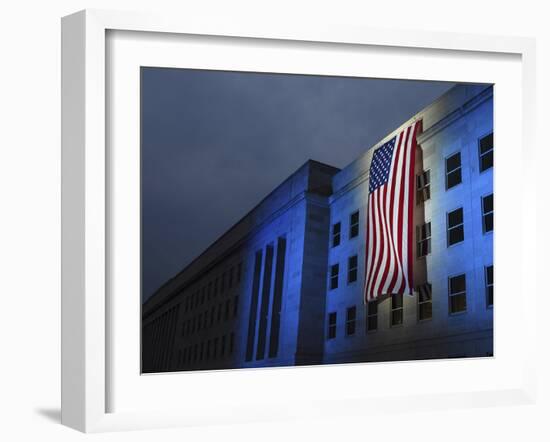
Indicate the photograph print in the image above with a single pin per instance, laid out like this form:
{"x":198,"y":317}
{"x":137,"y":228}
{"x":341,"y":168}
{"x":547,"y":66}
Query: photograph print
{"x":294,"y":220}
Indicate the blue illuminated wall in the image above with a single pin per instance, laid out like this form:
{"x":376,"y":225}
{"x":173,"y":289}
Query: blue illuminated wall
{"x":261,"y":296}
{"x":454,"y":123}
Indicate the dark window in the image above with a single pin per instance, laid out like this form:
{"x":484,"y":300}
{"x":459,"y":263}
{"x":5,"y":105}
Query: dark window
{"x":423,"y":239}
{"x":239,"y":272}
{"x":222,"y":350}
{"x":352,"y":269}
{"x":423,"y":192}
{"x":230,"y":281}
{"x":334,"y":269}
{"x":203,"y":295}
{"x":351,"y":316}
{"x":487,"y":207}
{"x":227,"y":309}
{"x":215,"y":351}
{"x":201,"y":355}
{"x":457,"y":294}
{"x":336,"y":232}
{"x":486,"y":152}
{"x":216,"y":282}
{"x":455,"y":227}
{"x":372,"y":315}
{"x":453,"y":170}
{"x":331,"y":334}
{"x":222,"y":286}
{"x":209,"y":291}
{"x":354,"y":224}
{"x":489,"y":285}
{"x":424,"y":301}
{"x":212,"y":313}
{"x":235,"y":306}
{"x":396,"y":309}
{"x":231,"y":343}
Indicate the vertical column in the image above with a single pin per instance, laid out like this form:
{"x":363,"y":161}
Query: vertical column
{"x":264,"y":309}
{"x":253,"y":306}
{"x":277,"y":298}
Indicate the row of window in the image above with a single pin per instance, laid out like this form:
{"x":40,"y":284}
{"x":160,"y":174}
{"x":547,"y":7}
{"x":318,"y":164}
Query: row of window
{"x":453,"y":169}
{"x":209,"y":350}
{"x":457,"y":304}
{"x":335,"y":270}
{"x":211,"y":290}
{"x":453,"y":177}
{"x":352,"y":232}
{"x":207,"y":318}
{"x":455,"y":235}
{"x":455,"y":227}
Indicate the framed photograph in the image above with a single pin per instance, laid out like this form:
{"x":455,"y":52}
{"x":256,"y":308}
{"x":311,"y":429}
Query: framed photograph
{"x":268,"y":221}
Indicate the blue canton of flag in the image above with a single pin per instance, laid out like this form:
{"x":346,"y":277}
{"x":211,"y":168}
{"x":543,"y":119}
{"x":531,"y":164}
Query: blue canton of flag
{"x":380,"y":166}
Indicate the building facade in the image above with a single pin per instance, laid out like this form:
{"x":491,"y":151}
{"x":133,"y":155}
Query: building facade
{"x":284,"y":286}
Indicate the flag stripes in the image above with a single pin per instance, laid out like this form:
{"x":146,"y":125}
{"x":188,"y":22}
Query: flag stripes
{"x":389,"y":252}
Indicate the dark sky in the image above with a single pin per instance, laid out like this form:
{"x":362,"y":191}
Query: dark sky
{"x":215,"y":143}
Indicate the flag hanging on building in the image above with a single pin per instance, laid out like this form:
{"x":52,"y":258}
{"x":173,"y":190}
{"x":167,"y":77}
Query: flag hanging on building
{"x":389,"y":252}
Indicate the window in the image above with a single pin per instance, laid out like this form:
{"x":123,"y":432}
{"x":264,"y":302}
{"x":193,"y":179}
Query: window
{"x":372,"y":315}
{"x":227,"y":309}
{"x":222,"y":286}
{"x":486,"y":152}
{"x":336,"y":230}
{"x":354,"y":224}
{"x":215,"y":351}
{"x":230,"y":281}
{"x":334,"y":269}
{"x":396,"y":309}
{"x":453,"y":170}
{"x":239,"y":272}
{"x":423,"y":187}
{"x":222,"y":350}
{"x":235,"y":306}
{"x":455,"y":227}
{"x":489,"y":285}
{"x":331,"y":325}
{"x":423,"y":239}
{"x":352,"y":269}
{"x":351,"y":315}
{"x":457,"y":294}
{"x":487,"y":208}
{"x":425,"y":302}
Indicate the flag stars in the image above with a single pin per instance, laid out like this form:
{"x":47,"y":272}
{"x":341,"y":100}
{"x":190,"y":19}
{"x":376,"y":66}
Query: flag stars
{"x":380,"y":165}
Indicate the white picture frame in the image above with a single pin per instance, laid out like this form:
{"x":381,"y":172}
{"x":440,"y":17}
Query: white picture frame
{"x":87,"y":314}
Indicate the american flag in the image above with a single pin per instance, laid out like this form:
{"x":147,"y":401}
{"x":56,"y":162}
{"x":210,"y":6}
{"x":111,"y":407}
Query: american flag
{"x":389,"y":253}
